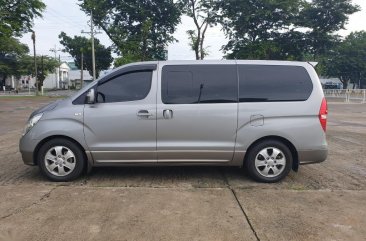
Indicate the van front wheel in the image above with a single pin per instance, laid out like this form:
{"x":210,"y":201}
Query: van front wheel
{"x":61,"y":160}
{"x":269,"y":161}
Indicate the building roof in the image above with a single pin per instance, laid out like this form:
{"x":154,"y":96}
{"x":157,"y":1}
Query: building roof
{"x":75,"y":75}
{"x":64,"y":66}
{"x":72,"y":66}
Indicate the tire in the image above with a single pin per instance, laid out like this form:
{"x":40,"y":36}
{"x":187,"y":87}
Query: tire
{"x":61,"y":160}
{"x":269,"y":161}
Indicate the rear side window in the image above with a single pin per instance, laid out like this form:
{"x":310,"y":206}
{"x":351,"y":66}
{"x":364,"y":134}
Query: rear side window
{"x":127,"y":87}
{"x":269,"y":83}
{"x":193,"y":84}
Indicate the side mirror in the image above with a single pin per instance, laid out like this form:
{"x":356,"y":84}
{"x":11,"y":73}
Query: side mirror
{"x":90,"y":96}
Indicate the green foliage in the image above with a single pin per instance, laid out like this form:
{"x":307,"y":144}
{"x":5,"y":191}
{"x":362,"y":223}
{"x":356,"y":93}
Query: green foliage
{"x":283,"y":29}
{"x":257,"y":29}
{"x":16,"y":16}
{"x":126,"y":59}
{"x":14,"y":60}
{"x":77,"y":45}
{"x":348,"y":60}
{"x":324,"y":18}
{"x":45,"y":65}
{"x":11,"y":51}
{"x":139,"y":29}
{"x":196,"y":44}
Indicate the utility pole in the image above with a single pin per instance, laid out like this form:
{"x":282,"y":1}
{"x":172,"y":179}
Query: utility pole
{"x":55,"y":51}
{"x":35,"y":60}
{"x":42,"y":75}
{"x":92,"y":40}
{"x":92,"y":33}
{"x":82,"y":69}
{"x":60,"y":72}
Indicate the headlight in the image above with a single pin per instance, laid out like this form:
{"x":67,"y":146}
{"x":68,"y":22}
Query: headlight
{"x":32,"y":122}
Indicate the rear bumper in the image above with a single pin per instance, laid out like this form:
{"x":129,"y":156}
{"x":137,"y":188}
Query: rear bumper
{"x":312,"y":156}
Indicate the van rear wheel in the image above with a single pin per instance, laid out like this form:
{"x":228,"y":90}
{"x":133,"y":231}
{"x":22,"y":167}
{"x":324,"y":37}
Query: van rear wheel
{"x":269,"y":161}
{"x":61,"y":160}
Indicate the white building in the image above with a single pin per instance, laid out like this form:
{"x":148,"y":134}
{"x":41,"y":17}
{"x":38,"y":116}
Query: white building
{"x":24,"y":82}
{"x":58,"y":80}
{"x":75,"y":75}
{"x":66,"y":76}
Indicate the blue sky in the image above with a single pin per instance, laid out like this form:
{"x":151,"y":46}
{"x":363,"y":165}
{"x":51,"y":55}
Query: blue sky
{"x":65,"y":15}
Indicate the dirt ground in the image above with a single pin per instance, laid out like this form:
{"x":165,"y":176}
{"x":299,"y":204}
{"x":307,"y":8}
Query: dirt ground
{"x":325,"y":201}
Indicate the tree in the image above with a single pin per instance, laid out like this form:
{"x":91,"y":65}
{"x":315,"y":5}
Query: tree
{"x":324,"y":18}
{"x":140,"y":30}
{"x":283,"y":29}
{"x":77,"y":45}
{"x":261,"y":29}
{"x":14,"y":60}
{"x":46,"y":65}
{"x":348,"y":60}
{"x":11,"y":51}
{"x":16,"y":16}
{"x":204,"y":15}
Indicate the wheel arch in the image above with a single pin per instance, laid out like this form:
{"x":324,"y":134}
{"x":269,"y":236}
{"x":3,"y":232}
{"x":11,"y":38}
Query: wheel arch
{"x":295,"y":164}
{"x":41,"y":143}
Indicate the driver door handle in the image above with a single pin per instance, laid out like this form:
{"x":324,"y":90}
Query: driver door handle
{"x":144,"y":114}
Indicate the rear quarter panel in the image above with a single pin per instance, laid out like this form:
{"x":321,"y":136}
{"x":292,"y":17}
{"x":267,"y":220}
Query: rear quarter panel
{"x":295,"y":121}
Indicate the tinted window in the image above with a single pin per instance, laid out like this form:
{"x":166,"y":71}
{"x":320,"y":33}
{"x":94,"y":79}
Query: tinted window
{"x":191,"y":84}
{"x":127,"y":87}
{"x":264,"y":83}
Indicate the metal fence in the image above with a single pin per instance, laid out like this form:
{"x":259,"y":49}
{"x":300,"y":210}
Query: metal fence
{"x":346,"y":95}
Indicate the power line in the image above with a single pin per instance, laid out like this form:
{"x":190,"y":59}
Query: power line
{"x":55,"y":50}
{"x":60,"y":16}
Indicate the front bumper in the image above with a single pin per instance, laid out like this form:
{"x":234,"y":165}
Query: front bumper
{"x":27,"y":147}
{"x":312,"y":156}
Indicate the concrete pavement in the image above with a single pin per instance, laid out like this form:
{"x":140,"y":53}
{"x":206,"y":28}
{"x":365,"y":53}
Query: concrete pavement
{"x":321,"y":202}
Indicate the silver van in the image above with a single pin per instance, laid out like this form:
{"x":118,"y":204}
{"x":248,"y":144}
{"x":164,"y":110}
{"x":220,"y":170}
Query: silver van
{"x":268,"y":116}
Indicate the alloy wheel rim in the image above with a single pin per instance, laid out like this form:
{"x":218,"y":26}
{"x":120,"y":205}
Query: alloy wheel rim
{"x":60,"y":161}
{"x":270,"y":162}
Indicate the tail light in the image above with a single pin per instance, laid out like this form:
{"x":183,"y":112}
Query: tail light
{"x":323,"y":112}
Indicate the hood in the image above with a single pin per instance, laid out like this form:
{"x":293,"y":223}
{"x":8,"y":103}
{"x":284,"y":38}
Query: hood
{"x":45,"y":108}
